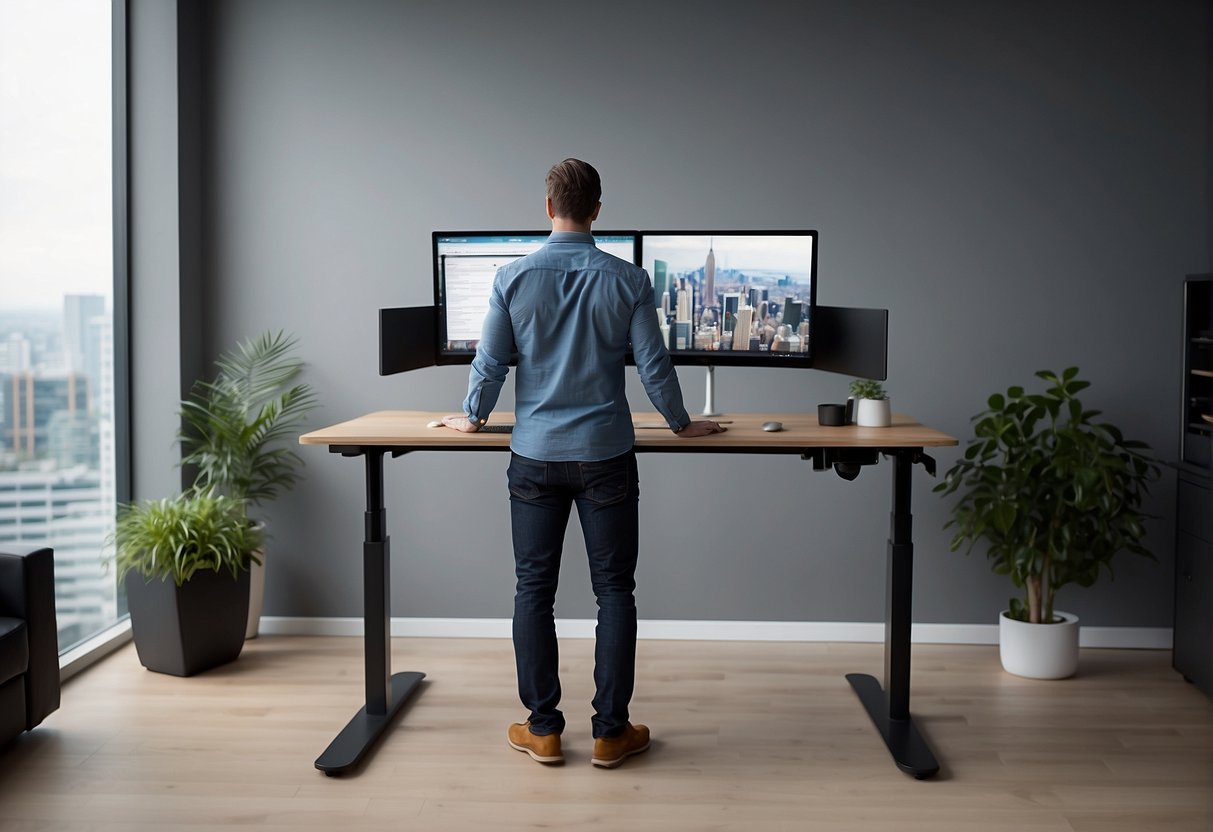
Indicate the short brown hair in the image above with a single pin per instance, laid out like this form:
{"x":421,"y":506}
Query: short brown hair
{"x":575,"y":189}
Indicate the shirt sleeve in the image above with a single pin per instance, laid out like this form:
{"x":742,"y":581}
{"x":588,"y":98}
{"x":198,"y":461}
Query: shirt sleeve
{"x":653,"y":361}
{"x":492,"y":361}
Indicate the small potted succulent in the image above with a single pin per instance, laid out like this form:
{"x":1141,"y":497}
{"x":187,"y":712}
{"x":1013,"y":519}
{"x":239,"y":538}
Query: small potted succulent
{"x":1054,"y":495}
{"x":186,"y":560}
{"x":872,"y":409}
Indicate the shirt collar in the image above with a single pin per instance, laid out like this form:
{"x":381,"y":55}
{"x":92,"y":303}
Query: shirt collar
{"x":571,"y":237}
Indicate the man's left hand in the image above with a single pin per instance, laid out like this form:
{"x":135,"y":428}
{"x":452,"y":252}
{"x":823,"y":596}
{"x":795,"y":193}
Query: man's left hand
{"x":702,"y":428}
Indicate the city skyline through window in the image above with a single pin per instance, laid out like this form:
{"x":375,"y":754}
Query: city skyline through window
{"x":57,"y":406}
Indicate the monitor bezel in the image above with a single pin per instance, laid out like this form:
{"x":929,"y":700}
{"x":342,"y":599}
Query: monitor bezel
{"x":728,"y":358}
{"x":443,"y":356}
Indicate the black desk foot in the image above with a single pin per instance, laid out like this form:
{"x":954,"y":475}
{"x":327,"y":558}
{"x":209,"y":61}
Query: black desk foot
{"x":907,"y":746}
{"x":360,"y":734}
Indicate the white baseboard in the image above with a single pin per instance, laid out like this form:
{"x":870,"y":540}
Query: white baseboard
{"x":1152,"y":638}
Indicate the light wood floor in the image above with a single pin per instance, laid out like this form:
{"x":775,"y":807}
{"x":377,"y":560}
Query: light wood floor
{"x":747,"y":736}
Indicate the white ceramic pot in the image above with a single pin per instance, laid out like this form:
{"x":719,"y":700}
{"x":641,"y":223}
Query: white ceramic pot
{"x":873,"y":413}
{"x":256,"y":594}
{"x":1039,"y":651}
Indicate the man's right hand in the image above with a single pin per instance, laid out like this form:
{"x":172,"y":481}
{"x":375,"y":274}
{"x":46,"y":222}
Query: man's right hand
{"x":460,"y":423}
{"x":703,"y":428}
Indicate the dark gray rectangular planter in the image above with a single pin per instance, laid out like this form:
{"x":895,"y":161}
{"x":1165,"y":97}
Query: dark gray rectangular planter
{"x":183,"y":630}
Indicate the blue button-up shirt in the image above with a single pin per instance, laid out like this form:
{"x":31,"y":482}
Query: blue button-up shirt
{"x":569,"y":310}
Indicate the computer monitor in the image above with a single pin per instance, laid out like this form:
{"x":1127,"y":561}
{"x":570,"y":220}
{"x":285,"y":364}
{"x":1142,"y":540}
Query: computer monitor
{"x":464,"y":265}
{"x":734,"y":297}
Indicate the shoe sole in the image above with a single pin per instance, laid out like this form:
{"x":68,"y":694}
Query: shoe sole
{"x":537,"y":758}
{"x":619,"y":760}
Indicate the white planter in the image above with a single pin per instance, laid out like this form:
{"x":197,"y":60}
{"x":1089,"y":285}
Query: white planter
{"x":873,"y":413}
{"x":256,"y":595}
{"x":1039,"y":651}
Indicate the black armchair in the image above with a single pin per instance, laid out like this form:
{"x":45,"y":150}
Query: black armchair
{"x":29,"y":640}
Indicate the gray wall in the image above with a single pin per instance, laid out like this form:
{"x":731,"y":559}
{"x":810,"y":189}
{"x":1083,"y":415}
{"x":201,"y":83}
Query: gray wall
{"x":1022,"y":186}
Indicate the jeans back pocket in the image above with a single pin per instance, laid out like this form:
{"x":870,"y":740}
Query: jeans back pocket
{"x":526,"y":477}
{"x":607,"y":482}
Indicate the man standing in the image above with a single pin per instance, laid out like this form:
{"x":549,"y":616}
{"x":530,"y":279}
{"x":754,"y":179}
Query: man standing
{"x":569,"y":311}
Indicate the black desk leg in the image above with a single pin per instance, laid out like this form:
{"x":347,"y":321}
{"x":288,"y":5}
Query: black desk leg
{"x":385,"y":692}
{"x":889,"y":707}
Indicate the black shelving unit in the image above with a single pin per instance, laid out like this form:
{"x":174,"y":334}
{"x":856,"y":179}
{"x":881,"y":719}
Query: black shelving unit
{"x":1193,"y":649}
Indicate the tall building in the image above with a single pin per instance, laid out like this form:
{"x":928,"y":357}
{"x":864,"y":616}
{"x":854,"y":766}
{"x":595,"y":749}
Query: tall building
{"x":663,"y":324}
{"x":98,"y":345}
{"x":683,"y":335}
{"x":661,"y":281}
{"x":63,"y":509}
{"x":732,"y":302}
{"x":58,"y":484}
{"x":742,"y":327}
{"x":30,"y":401}
{"x":14,"y":354}
{"x":81,"y":345}
{"x":709,"y":276}
{"x":72,"y":439}
{"x":686,"y":302}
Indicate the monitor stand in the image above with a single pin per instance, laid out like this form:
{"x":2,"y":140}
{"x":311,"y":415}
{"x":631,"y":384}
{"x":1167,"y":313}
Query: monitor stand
{"x":709,"y":405}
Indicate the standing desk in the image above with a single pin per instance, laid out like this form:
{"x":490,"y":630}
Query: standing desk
{"x":845,"y":449}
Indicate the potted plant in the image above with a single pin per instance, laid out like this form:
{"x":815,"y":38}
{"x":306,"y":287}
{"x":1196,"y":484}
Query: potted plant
{"x":872,"y":408}
{"x":239,"y":429}
{"x":204,"y":542}
{"x":1055,"y":495}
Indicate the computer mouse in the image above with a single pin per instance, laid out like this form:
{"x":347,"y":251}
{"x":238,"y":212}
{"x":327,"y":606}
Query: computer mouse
{"x":433,"y":424}
{"x":771,"y":427}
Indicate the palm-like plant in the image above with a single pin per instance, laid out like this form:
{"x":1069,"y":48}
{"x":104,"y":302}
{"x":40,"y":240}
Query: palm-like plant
{"x":238,"y":428}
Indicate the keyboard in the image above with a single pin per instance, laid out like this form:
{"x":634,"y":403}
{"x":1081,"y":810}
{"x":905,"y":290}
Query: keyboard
{"x":496,"y":429}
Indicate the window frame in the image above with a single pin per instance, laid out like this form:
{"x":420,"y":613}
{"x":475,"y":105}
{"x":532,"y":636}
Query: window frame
{"x":79,"y":656}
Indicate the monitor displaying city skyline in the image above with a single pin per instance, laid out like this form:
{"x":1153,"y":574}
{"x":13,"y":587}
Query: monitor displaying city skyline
{"x":733,"y":297}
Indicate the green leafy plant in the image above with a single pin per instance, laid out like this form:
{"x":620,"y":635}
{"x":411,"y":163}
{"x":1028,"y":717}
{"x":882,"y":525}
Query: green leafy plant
{"x":866,"y":388}
{"x":1054,"y":494}
{"x":178,"y":536}
{"x":239,"y":428}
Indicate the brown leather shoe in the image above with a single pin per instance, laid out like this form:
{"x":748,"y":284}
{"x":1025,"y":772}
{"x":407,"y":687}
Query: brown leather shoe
{"x":543,"y":749}
{"x":611,"y":751}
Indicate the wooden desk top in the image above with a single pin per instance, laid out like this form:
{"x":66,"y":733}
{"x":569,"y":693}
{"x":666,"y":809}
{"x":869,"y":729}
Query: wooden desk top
{"x":407,"y":428}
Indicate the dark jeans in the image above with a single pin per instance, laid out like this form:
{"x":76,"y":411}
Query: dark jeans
{"x":606,"y":494}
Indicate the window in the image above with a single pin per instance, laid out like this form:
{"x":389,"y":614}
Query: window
{"x":60,"y":437}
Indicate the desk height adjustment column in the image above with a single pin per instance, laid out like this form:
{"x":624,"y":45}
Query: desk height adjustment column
{"x":386,"y":692}
{"x":889,"y":707}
